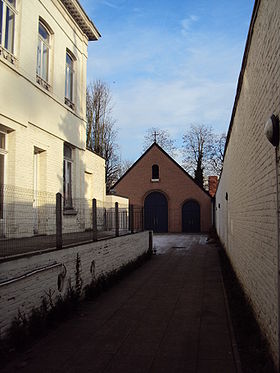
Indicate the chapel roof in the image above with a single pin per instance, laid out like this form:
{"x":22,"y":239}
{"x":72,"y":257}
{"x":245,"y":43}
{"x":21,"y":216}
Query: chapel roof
{"x":155,"y":144}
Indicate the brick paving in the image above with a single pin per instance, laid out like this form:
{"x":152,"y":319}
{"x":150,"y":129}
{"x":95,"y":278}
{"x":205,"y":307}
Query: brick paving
{"x":168,"y":316}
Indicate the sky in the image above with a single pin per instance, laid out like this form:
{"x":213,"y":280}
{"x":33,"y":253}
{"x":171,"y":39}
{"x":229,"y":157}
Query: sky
{"x":169,"y":63}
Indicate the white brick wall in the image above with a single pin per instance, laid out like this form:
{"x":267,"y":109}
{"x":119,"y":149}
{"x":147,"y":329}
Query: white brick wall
{"x":246,"y":223}
{"x":26,"y":293}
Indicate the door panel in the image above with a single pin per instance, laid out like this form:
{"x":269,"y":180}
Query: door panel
{"x":156,"y":213}
{"x":191,"y":217}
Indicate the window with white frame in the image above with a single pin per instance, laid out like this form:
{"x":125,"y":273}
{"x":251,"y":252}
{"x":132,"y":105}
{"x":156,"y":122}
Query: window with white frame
{"x":43,"y":53}
{"x":67,"y":176}
{"x":69,"y":80}
{"x":7,"y":24}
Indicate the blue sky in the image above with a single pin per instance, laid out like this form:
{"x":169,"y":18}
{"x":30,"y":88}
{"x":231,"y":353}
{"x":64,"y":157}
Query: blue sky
{"x":169,"y":64}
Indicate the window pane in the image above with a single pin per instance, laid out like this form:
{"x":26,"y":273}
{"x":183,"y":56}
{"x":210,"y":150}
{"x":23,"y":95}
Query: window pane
{"x":70,"y":85}
{"x":67,"y":176}
{"x":9,"y":31}
{"x":2,"y":141}
{"x":69,"y":60}
{"x":39,"y":57}
{"x":66,"y":82}
{"x":1,"y":20}
{"x":69,"y":77}
{"x":155,"y":171}
{"x":43,"y":33}
{"x":67,"y":152}
{"x":67,"y":186}
{"x":12,"y":2}
{"x":45,"y":63}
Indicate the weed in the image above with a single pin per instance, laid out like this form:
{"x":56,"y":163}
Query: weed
{"x":55,"y":309}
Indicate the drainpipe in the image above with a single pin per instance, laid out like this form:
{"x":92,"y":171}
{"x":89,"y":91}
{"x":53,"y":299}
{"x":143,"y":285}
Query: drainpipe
{"x":272,"y":133}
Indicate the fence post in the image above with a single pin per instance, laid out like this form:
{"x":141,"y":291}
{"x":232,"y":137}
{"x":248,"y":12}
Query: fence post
{"x":58,"y":220}
{"x":151,"y":242}
{"x":131,"y":218}
{"x":117,"y":222}
{"x":105,"y":227}
{"x":94,"y":220}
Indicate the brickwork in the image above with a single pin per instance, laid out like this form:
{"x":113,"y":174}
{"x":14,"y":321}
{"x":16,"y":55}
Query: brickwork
{"x":173,"y":183}
{"x":25,"y":281}
{"x":212,"y":185}
{"x":246,"y":217}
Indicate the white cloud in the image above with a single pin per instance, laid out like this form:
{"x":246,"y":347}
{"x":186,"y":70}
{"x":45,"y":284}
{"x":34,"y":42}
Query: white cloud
{"x":187,"y":23}
{"x":166,"y":80}
{"x":109,"y":4}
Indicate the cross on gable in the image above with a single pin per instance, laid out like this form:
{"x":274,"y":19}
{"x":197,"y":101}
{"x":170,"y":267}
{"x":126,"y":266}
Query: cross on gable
{"x":155,"y":134}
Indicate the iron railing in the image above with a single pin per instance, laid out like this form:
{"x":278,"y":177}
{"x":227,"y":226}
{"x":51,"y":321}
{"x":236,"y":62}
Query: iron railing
{"x":32,"y":221}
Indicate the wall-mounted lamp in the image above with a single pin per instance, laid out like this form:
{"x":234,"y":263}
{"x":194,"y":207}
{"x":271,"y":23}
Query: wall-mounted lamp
{"x":271,"y":130}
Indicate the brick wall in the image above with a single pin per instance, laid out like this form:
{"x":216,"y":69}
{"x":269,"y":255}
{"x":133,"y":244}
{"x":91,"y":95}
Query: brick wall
{"x":246,"y":217}
{"x":25,"y":281}
{"x":173,"y":183}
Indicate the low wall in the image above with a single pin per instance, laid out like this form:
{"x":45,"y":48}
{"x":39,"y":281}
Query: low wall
{"x":25,"y":281}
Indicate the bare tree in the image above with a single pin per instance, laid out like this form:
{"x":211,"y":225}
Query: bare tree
{"x":161,"y":137}
{"x":217,"y":156}
{"x":203,"y":152}
{"x":198,"y":150}
{"x":125,"y":165}
{"x":101,"y":132}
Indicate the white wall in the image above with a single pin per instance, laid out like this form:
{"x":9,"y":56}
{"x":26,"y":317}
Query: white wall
{"x":247,"y":222}
{"x":25,"y":281}
{"x":37,"y":119}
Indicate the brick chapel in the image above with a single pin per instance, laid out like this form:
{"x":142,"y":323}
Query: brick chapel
{"x":170,"y":198}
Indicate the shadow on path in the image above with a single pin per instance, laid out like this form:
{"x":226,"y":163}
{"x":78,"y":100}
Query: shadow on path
{"x":168,"y":316}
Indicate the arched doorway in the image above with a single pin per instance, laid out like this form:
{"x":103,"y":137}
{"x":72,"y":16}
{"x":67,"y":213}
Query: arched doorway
{"x":191,"y":217}
{"x":156,"y":212}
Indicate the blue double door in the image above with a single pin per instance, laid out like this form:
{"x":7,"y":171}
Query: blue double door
{"x":156,"y":213}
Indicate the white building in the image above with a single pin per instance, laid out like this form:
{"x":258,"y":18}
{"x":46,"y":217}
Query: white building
{"x":247,"y":198}
{"x":43,"y":58}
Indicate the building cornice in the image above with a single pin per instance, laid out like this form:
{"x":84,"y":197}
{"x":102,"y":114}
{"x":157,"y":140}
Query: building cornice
{"x":79,"y":15}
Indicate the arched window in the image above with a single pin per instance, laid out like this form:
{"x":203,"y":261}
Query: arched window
{"x":7,"y":24}
{"x":155,"y":172}
{"x":69,"y":79}
{"x":43,"y":52}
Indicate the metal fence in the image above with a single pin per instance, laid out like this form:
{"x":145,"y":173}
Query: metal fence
{"x":32,"y":221}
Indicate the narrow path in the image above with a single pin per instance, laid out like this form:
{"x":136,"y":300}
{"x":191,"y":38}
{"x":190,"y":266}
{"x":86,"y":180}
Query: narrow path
{"x":168,"y":316}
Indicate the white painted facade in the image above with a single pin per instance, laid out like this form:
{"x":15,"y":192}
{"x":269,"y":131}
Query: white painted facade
{"x":37,"y":119}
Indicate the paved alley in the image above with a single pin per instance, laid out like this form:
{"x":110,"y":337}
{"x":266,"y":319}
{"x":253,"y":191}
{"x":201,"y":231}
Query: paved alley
{"x":167,"y":316}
